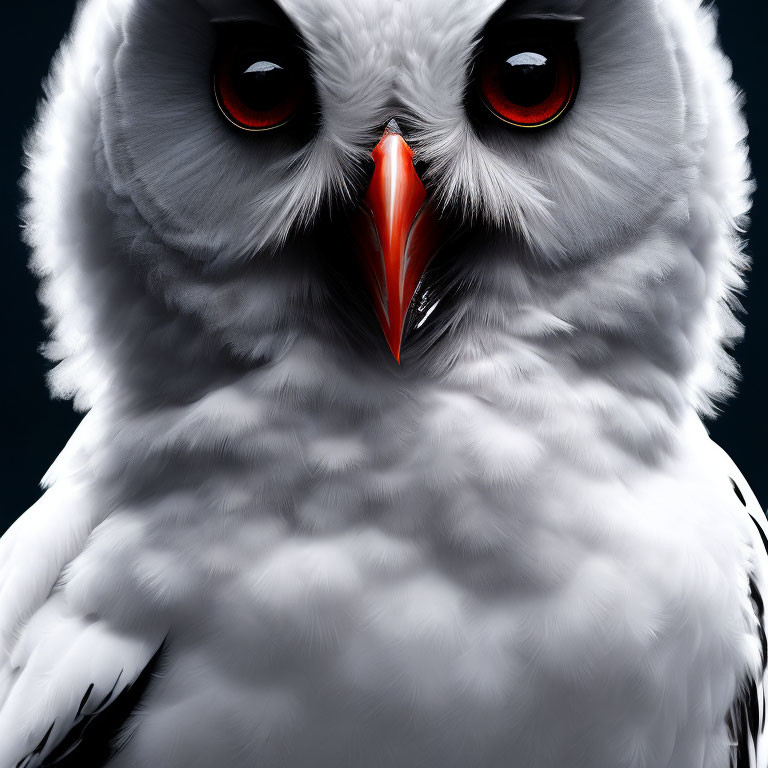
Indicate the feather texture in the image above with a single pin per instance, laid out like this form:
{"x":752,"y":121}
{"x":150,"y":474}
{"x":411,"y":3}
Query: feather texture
{"x":521,"y":546}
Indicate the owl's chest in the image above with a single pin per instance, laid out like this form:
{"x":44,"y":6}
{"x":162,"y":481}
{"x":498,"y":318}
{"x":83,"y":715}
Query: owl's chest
{"x":458,"y":629}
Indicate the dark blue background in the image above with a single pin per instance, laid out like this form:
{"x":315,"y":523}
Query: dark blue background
{"x":34,"y":429}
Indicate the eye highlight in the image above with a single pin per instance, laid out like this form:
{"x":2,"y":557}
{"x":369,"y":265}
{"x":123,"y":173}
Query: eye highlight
{"x":528,"y":73}
{"x":258,"y":84}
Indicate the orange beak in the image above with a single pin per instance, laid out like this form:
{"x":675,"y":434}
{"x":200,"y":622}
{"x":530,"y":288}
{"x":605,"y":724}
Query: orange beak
{"x":396,"y":233}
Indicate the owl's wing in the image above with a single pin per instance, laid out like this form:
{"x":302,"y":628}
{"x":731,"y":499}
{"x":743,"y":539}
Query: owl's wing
{"x":747,"y":719}
{"x":67,"y":681}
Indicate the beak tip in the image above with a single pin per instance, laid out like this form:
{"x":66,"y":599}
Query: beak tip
{"x":394,"y":348}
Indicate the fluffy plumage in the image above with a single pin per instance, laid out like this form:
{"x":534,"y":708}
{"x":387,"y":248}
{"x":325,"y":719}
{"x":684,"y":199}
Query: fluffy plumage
{"x":518,"y":549}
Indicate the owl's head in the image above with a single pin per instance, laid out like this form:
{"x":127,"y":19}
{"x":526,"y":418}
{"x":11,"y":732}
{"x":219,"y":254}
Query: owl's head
{"x":504,"y":188}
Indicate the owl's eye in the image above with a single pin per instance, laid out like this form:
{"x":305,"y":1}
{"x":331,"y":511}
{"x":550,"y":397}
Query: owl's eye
{"x":256,"y":89}
{"x":261,"y":79}
{"x":529,"y":78}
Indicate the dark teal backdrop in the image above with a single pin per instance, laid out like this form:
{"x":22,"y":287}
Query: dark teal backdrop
{"x":34,"y":428}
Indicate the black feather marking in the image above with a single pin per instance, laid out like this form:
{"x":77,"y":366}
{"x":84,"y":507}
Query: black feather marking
{"x":738,"y":492}
{"x":90,"y":743}
{"x":757,"y":601}
{"x":761,"y":532}
{"x":41,"y":746}
{"x":103,"y":702}
{"x":84,"y":700}
{"x":740,"y":753}
{"x":744,"y":721}
{"x":759,"y":604}
{"x":741,"y":722}
{"x":38,"y":749}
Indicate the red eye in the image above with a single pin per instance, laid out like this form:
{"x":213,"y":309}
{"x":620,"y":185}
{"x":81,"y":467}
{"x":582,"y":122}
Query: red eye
{"x":256,"y":89}
{"x":530,"y":83}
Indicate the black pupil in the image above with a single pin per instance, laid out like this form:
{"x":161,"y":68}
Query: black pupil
{"x":261,"y":83}
{"x":528,"y":76}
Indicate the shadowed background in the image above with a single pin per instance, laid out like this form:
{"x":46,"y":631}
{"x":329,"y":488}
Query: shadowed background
{"x":34,"y":428}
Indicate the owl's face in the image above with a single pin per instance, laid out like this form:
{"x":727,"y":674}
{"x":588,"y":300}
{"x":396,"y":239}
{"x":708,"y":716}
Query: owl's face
{"x":548,"y":131}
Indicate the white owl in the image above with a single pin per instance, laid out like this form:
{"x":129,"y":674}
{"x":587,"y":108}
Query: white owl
{"x":269,"y":544}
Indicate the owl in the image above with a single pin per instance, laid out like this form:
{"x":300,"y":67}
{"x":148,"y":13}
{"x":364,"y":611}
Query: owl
{"x":394,"y":324}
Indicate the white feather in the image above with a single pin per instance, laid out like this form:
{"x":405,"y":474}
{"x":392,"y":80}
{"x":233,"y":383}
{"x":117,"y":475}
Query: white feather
{"x":520,"y":547}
